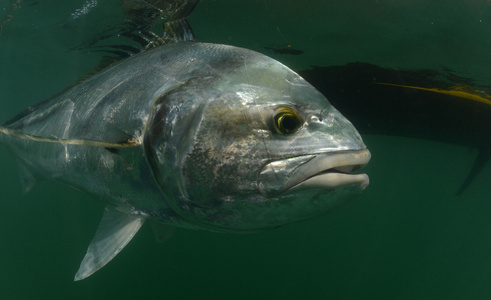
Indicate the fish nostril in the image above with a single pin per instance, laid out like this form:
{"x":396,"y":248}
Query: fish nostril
{"x":315,"y":123}
{"x":312,"y":119}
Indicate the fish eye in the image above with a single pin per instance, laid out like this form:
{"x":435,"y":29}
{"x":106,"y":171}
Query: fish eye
{"x":286,"y":120}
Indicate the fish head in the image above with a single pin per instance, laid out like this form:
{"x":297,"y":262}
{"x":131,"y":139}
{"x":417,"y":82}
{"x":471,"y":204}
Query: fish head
{"x":252,"y":147}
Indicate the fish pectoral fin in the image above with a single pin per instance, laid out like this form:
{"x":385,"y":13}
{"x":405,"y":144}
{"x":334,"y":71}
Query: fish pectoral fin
{"x":162,"y":232}
{"x":113,"y":234}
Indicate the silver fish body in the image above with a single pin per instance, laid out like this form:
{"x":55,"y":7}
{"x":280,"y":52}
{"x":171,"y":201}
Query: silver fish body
{"x":191,"y":135}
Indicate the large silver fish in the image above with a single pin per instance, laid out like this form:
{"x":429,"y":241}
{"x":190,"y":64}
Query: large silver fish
{"x":194,"y":135}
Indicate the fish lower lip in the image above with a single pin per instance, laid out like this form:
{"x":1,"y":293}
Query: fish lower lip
{"x":317,"y":171}
{"x":328,"y":181}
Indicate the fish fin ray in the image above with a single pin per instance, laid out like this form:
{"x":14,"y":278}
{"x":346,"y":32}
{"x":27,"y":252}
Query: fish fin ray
{"x":178,"y":31}
{"x":113,"y":234}
{"x":27,"y":178}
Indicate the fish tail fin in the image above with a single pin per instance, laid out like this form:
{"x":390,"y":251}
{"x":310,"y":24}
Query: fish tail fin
{"x":28,"y":178}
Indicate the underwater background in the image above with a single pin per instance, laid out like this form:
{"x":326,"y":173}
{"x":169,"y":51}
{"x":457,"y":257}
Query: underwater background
{"x":408,"y":236}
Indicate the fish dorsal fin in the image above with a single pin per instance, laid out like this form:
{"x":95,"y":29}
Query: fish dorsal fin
{"x":178,"y":31}
{"x":113,"y":234}
{"x":177,"y":28}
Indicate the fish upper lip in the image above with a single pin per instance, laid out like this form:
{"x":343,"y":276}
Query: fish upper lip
{"x":327,"y":170}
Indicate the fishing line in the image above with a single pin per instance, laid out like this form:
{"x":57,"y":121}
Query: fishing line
{"x":274,"y":21}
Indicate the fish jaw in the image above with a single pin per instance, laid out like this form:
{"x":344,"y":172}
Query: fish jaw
{"x":326,"y":171}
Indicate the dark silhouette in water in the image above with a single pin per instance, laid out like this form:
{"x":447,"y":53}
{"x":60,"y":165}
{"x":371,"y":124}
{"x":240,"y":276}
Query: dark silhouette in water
{"x":417,"y":103}
{"x":288,"y":50}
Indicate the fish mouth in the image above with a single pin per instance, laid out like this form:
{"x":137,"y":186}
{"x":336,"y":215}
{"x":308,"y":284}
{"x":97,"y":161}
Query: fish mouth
{"x":326,"y":171}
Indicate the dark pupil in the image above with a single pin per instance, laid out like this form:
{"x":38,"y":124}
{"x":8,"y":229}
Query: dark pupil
{"x":288,"y":123}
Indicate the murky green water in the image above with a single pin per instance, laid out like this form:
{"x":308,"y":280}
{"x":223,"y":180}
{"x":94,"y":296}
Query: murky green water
{"x":407,"y":237}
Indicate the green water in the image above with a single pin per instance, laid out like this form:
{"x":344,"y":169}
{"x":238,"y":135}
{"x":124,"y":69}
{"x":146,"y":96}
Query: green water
{"x":407,"y":237}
